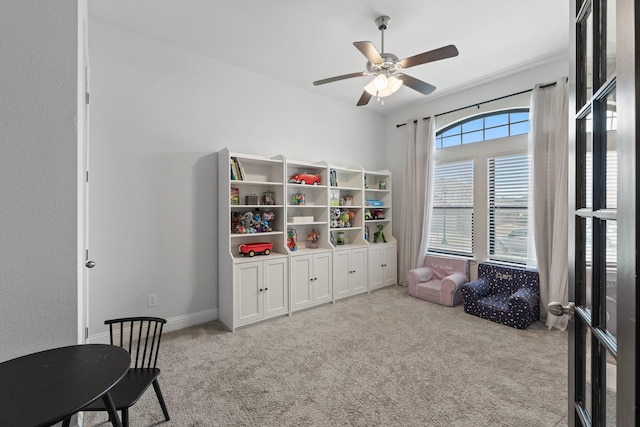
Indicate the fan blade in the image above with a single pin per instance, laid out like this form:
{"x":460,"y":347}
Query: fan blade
{"x":337,"y":78}
{"x":433,"y":55}
{"x":415,"y":84}
{"x":364,"y":99}
{"x":370,"y":51}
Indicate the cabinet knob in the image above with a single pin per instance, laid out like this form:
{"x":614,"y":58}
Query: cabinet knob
{"x":266,"y":289}
{"x":260,"y":290}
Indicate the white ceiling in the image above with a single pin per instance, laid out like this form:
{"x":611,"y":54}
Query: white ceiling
{"x":299,"y":41}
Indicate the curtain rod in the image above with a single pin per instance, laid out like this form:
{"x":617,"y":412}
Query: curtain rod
{"x":478,"y":104}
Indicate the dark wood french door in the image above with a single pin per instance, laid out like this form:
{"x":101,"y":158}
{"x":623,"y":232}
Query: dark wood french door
{"x":603,"y":210}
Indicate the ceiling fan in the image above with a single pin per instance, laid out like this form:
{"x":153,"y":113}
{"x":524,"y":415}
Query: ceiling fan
{"x":387,"y":68}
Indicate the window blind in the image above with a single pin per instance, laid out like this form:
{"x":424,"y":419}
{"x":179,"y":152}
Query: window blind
{"x":508,"y":208}
{"x":451,"y":229}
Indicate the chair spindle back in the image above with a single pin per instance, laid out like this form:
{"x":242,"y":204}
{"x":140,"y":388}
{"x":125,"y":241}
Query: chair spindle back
{"x":143,"y":343}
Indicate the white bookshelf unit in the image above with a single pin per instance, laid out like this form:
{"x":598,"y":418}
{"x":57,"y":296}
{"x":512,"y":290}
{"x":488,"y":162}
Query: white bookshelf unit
{"x":378,"y":216}
{"x":307,"y":217}
{"x":251,"y":288}
{"x":267,"y":201}
{"x":346,"y":214}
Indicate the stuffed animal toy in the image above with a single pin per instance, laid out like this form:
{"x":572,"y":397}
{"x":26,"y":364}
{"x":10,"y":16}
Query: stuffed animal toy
{"x":335,"y":213}
{"x":344,"y":217}
{"x":247,"y":219}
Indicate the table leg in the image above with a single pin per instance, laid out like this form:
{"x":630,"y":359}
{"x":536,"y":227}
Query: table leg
{"x":111,"y":409}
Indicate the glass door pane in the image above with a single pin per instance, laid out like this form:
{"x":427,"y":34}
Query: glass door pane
{"x":611,"y":393}
{"x":585,"y":60}
{"x":585,"y":147}
{"x":588,"y":398}
{"x":611,"y":123}
{"x":611,"y":56}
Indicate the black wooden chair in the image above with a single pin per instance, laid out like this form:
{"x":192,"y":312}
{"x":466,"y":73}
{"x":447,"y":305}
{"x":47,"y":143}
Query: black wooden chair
{"x":140,"y":336}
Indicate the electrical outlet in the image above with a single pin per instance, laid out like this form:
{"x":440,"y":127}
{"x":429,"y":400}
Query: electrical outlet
{"x":152,"y":300}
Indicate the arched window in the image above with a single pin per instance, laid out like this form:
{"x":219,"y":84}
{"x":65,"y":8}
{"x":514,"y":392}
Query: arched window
{"x":480,"y":202}
{"x":483,"y":127}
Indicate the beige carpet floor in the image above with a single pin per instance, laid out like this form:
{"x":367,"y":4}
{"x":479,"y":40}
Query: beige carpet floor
{"x":383,"y":359}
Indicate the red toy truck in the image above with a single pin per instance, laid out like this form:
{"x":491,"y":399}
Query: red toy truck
{"x":251,"y":249}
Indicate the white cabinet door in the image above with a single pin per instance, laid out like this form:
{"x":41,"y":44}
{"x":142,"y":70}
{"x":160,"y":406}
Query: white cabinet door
{"x":248,"y":277}
{"x":341,"y":273}
{"x":376,"y":261}
{"x":390,"y":265}
{"x":322,"y":283}
{"x":358,"y":277}
{"x":301,"y":281}
{"x":276,"y":287}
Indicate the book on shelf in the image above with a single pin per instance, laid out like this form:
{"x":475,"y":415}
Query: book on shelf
{"x":333,"y":178}
{"x":242,"y":174}
{"x":237,"y":171}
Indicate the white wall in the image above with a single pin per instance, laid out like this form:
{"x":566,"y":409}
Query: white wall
{"x":38,"y":180}
{"x":510,"y":83}
{"x":158,"y":116}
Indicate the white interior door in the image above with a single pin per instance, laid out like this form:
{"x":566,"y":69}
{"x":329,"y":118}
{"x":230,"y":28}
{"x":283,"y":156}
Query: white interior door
{"x":83,"y":177}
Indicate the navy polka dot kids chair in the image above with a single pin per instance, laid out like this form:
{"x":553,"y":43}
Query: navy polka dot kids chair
{"x":507,"y":295}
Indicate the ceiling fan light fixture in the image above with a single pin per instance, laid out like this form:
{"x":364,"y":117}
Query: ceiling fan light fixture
{"x":395,"y":84}
{"x":380,"y":82}
{"x":391,"y":85}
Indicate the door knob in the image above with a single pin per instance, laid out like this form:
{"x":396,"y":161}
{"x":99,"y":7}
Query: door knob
{"x":90,"y":264}
{"x":557,"y":309}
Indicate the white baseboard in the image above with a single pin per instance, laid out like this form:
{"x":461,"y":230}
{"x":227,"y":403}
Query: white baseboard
{"x":173,"y":324}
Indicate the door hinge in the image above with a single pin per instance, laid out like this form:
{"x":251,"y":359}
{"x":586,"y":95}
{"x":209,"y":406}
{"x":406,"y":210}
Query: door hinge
{"x":86,"y":175}
{"x":86,"y":254}
{"x":86,"y":333}
{"x":86,"y":97}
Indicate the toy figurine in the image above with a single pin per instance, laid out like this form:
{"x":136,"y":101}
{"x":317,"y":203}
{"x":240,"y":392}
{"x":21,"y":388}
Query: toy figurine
{"x":313,"y":239}
{"x":267,"y":198}
{"x":292,"y":239}
{"x":366,"y":232}
{"x":379,"y":235}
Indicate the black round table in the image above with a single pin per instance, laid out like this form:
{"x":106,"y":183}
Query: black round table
{"x":44,"y":388}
